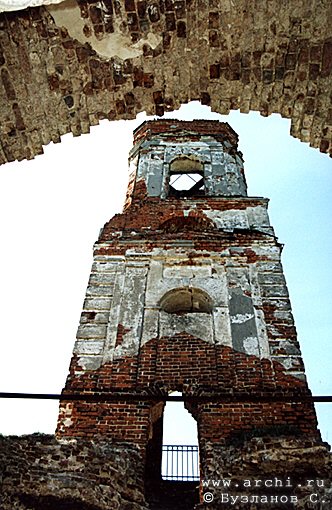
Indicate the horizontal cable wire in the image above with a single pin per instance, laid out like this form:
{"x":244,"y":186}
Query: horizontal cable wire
{"x":93,"y":397}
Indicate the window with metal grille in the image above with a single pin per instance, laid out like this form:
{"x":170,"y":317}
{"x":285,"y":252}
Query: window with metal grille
{"x":180,"y":463}
{"x":186,"y":177}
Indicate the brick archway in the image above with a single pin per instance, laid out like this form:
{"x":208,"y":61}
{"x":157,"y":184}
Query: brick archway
{"x":130,"y":56}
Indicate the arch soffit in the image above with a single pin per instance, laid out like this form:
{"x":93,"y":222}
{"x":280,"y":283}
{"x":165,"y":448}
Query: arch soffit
{"x":186,"y":299}
{"x":186,"y":163}
{"x":280,"y":63}
{"x":187,"y":154}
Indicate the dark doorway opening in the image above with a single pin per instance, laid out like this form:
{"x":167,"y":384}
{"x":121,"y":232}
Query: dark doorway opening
{"x":172,"y":460}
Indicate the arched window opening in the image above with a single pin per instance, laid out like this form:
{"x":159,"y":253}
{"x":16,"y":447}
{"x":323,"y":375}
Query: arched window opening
{"x":186,"y":177}
{"x":186,"y":300}
{"x":180,"y":456}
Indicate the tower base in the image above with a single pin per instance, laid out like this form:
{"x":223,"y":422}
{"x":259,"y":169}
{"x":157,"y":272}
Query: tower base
{"x":40,"y":473}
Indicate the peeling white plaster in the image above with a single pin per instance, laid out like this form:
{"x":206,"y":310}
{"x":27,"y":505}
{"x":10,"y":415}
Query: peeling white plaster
{"x":68,"y":15}
{"x":222,"y":326}
{"x":67,"y":422}
{"x":140,"y":280}
{"x":150,"y":324}
{"x":90,"y":362}
{"x":68,"y":409}
{"x":288,"y":362}
{"x":238,"y":278}
{"x":157,"y":287}
{"x":240,"y":318}
{"x":258,"y":216}
{"x":196,"y":324}
{"x":250,"y":345}
{"x":263,"y":341}
{"x":17,"y":5}
{"x":88,"y":347}
{"x":180,"y":271}
{"x":229,"y":220}
{"x":195,"y":150}
{"x":129,"y":347}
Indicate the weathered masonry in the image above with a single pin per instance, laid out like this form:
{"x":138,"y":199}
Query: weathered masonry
{"x":65,"y":67}
{"x":187,"y":293}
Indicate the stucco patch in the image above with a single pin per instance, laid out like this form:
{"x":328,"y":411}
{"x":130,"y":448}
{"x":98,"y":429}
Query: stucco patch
{"x":16,"y":5}
{"x":117,"y":44}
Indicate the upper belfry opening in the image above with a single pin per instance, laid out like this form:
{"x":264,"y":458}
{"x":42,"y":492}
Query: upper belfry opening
{"x":187,"y":159}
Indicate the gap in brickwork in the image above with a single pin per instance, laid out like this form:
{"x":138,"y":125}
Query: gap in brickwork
{"x":185,"y":181}
{"x":180,"y":449}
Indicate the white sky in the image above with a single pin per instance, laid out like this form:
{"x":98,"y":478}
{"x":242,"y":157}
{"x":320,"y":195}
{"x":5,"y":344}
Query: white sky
{"x":53,"y":207}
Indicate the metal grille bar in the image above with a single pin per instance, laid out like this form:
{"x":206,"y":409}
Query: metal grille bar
{"x":180,"y":463}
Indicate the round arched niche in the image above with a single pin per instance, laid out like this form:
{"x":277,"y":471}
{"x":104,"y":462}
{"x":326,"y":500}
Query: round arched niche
{"x":186,"y":300}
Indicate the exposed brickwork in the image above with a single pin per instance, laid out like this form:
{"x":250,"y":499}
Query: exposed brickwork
{"x":226,"y":244}
{"x":39,"y":472}
{"x":269,"y":58}
{"x":279,"y":457}
{"x":160,"y":215}
{"x":194,"y":130}
{"x":190,"y":365}
{"x":243,"y":380}
{"x":188,"y":294}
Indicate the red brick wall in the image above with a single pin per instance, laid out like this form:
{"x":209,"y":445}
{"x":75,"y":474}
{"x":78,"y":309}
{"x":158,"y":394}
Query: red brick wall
{"x":154,"y":213}
{"x":195,"y":129}
{"x":230,"y":393}
{"x":197,"y":368}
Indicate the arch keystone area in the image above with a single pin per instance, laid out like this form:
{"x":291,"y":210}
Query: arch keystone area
{"x":65,"y":67}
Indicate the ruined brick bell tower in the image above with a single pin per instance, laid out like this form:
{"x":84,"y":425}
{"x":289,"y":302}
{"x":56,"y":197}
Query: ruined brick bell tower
{"x":187,"y":293}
